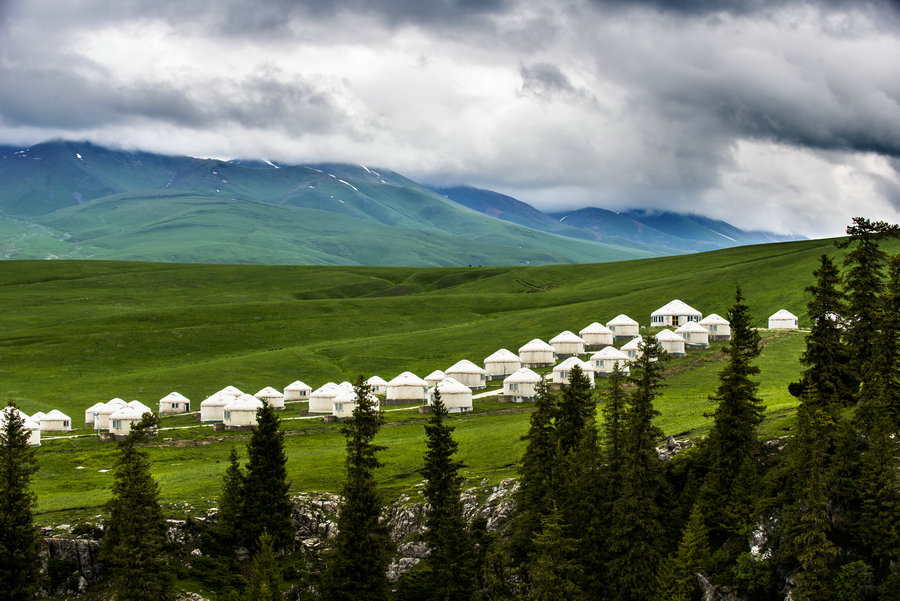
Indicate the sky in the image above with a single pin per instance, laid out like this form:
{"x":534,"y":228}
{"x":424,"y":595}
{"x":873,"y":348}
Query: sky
{"x":780,"y":115}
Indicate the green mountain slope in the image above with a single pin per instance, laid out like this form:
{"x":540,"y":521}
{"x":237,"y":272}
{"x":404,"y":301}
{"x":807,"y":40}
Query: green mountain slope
{"x":140,"y":206}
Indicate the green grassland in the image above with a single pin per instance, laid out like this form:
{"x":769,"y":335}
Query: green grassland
{"x":74,"y":333}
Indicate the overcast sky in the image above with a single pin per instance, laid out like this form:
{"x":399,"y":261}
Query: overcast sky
{"x":770,"y":114}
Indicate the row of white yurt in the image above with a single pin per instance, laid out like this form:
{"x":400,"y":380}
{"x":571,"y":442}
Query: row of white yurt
{"x":455,"y":395}
{"x":101,"y":415}
{"x":34,"y":428}
{"x":501,"y":363}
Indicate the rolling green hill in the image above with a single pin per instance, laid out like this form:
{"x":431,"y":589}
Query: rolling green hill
{"x":76,"y":332}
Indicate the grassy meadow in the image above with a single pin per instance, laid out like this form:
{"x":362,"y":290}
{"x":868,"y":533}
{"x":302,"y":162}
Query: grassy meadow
{"x":74,"y":333}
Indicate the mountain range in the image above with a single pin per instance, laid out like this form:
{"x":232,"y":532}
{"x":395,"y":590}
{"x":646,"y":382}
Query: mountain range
{"x":73,"y":200}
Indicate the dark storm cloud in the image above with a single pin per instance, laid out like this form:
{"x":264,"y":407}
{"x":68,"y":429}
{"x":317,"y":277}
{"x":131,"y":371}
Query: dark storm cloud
{"x":737,"y":7}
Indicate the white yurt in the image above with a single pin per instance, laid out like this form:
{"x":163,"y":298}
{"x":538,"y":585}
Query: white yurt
{"x":345,"y":402}
{"x":605,"y":360}
{"x":173,"y":403}
{"x":521,"y":385}
{"x":561,"y":372}
{"x":297,"y":391}
{"x":378,"y":385}
{"x":125,"y":417}
{"x":670,"y":342}
{"x":596,"y":336}
{"x":466,"y":372}
{"x":537,"y":353}
{"x":783,"y":320}
{"x":623,"y":326}
{"x":55,"y":421}
{"x":37,"y":417}
{"x":673,"y":314}
{"x":101,"y":417}
{"x":212,"y":408}
{"x":501,"y":363}
{"x":434,"y":377}
{"x":632,"y":348}
{"x":695,"y":336}
{"x":241,"y":412}
{"x":321,"y":400}
{"x":34,"y":439}
{"x":406,"y":388}
{"x":89,"y":413}
{"x":274,"y":398}
{"x":718,"y":327}
{"x":567,"y":344}
{"x":455,"y":395}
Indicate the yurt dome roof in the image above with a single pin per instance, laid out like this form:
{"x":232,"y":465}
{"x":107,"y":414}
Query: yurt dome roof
{"x":676,"y":307}
{"x":524,"y":376}
{"x":608,"y":352}
{"x":566,"y":336}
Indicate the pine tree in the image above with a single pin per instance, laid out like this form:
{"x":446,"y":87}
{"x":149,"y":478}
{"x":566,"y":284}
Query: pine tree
{"x":134,"y":541}
{"x":266,"y":506}
{"x":677,"y":577}
{"x":636,"y":530}
{"x":554,"y":572}
{"x":19,"y":538}
{"x":356,"y":565}
{"x":231,"y":501}
{"x":534,"y":495}
{"x":864,"y":284}
{"x":265,"y":581}
{"x":732,"y":447}
{"x":450,"y":563}
{"x":575,"y":410}
{"x":826,"y":358}
{"x":614,"y":427}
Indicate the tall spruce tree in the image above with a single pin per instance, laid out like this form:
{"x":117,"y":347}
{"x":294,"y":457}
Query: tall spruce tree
{"x":636,"y":529}
{"x":356,"y":564}
{"x":575,"y":410}
{"x":265,"y":580}
{"x":826,"y":358}
{"x":864,"y":284}
{"x":266,"y":506}
{"x":554,"y":572}
{"x":231,"y":501}
{"x":614,"y":426}
{"x":451,"y":561}
{"x":134,"y":541}
{"x":19,"y":538}
{"x":534,"y":495}
{"x":732,"y":447}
